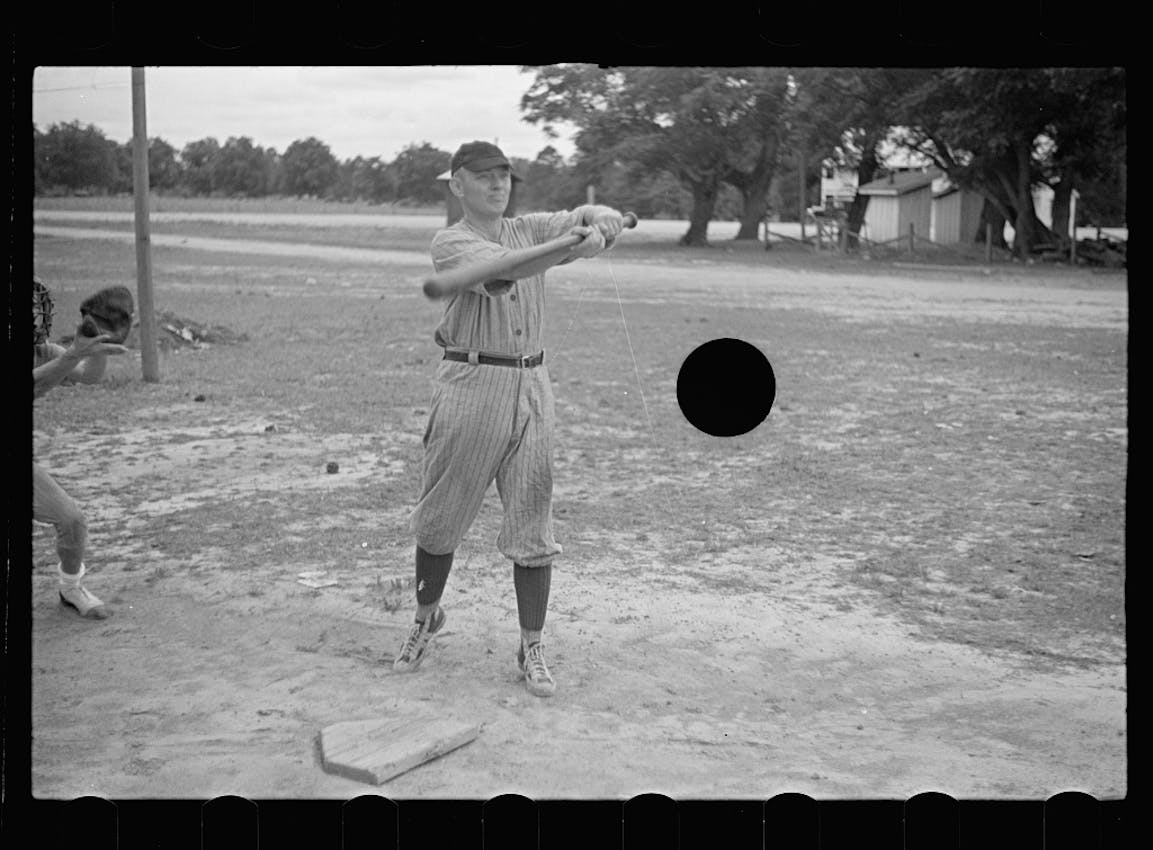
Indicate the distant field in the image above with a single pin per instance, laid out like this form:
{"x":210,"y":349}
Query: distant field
{"x":337,"y":214}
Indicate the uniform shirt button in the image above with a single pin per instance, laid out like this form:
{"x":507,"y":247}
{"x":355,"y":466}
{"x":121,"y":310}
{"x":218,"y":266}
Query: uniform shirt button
{"x":512,"y":297}
{"x":518,"y":331}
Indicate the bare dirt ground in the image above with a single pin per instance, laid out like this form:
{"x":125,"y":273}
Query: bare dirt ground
{"x":909,"y":578}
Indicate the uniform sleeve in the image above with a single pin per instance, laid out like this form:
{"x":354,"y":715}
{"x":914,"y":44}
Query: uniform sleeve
{"x":452,"y":248}
{"x":548,"y":226}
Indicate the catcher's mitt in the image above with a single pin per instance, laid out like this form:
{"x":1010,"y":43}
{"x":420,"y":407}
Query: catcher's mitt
{"x":42,"y":309}
{"x":108,"y":311}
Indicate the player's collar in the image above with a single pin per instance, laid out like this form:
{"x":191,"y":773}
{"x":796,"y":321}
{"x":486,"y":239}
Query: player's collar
{"x":481,"y":232}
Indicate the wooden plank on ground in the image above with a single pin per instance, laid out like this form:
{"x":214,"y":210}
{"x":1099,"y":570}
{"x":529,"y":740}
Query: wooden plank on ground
{"x":375,"y":751}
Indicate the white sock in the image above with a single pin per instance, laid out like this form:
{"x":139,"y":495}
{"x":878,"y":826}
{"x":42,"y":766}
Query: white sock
{"x":68,"y":579}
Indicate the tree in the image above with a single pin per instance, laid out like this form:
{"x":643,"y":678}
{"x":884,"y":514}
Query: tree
{"x":163,"y":168}
{"x":1088,"y":144}
{"x":692,"y":123}
{"x":308,"y":168}
{"x":549,"y":183}
{"x":843,"y":115}
{"x":752,"y":167}
{"x":416,"y":169}
{"x":74,"y":157}
{"x":373,"y":181}
{"x":122,"y":167}
{"x":363,"y":179}
{"x":272,"y":165}
{"x":240,"y":169}
{"x":164,"y":172}
{"x":1003,"y":132}
{"x":198,"y":161}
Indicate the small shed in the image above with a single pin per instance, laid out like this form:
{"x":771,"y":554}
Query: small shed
{"x":956,"y":216}
{"x":895,"y":202}
{"x":453,"y":210}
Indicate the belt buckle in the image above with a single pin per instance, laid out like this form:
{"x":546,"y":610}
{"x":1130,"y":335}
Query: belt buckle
{"x":524,"y":360}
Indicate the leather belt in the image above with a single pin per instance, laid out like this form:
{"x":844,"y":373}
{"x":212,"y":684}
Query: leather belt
{"x":527,"y":361}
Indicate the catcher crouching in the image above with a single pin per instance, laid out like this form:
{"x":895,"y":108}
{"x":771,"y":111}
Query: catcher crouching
{"x":105,"y":322}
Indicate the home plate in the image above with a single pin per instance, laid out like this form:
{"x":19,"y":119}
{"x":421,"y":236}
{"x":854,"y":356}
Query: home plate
{"x":375,"y":751}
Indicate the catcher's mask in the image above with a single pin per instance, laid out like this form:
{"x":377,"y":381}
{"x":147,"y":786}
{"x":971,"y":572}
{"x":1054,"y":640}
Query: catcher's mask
{"x":111,"y":310}
{"x":42,"y":309}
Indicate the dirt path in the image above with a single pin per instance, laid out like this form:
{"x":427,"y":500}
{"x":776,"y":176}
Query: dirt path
{"x":216,"y":676}
{"x":747,"y":669}
{"x":337,"y":253}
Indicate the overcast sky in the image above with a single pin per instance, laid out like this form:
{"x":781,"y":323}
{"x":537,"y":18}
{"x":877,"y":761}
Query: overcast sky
{"x":356,"y":111}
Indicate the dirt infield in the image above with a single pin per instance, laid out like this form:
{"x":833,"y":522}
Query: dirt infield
{"x":909,"y":578}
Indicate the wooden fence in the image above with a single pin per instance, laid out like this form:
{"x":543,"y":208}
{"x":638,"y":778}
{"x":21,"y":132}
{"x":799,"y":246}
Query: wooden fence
{"x":833,"y":235}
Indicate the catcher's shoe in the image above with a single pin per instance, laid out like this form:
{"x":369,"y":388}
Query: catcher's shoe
{"x":82,"y":601}
{"x":537,"y":678}
{"x":414,"y":646}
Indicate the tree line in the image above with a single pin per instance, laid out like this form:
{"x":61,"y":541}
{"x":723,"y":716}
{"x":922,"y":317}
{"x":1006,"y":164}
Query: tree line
{"x":71,"y":158}
{"x":705,"y":144}
{"x":1000,"y":132}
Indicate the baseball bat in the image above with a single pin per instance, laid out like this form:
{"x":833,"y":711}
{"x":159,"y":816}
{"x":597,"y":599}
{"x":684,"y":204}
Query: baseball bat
{"x":444,"y":284}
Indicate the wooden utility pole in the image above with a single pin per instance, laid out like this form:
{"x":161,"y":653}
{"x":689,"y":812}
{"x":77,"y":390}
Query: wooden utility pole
{"x":148,"y":356}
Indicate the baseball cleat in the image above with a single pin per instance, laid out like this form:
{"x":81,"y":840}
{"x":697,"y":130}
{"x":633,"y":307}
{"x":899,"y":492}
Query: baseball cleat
{"x":83,"y":602}
{"x":414,"y":646}
{"x":537,"y":678}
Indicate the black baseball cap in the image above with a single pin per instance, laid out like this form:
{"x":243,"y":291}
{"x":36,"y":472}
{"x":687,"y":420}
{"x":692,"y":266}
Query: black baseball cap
{"x":479,"y":156}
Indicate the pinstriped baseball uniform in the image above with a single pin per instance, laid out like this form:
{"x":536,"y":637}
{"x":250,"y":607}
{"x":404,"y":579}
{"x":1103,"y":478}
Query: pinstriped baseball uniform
{"x":491,"y":422}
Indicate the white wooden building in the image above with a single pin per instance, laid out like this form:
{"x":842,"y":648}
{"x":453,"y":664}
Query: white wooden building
{"x":956,"y":215}
{"x":897,"y":201}
{"x":838,"y":187}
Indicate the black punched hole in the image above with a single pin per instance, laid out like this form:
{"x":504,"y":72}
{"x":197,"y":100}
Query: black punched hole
{"x":726,"y":387}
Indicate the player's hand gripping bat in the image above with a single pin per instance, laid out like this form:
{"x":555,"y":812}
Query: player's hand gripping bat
{"x":444,"y":284}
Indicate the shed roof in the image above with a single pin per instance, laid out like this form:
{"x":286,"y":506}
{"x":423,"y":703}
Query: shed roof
{"x":900,"y":183}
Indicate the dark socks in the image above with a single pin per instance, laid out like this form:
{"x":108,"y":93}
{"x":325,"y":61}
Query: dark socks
{"x":532,"y":587}
{"x":431,"y":575}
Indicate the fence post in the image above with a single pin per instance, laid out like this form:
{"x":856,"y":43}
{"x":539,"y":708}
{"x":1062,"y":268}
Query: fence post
{"x":1073,"y":227}
{"x":988,"y":242}
{"x":844,"y":234}
{"x":802,"y":201}
{"x":912,"y":237}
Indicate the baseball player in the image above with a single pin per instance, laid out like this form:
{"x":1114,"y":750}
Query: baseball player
{"x":492,"y":411}
{"x":100,"y":333}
